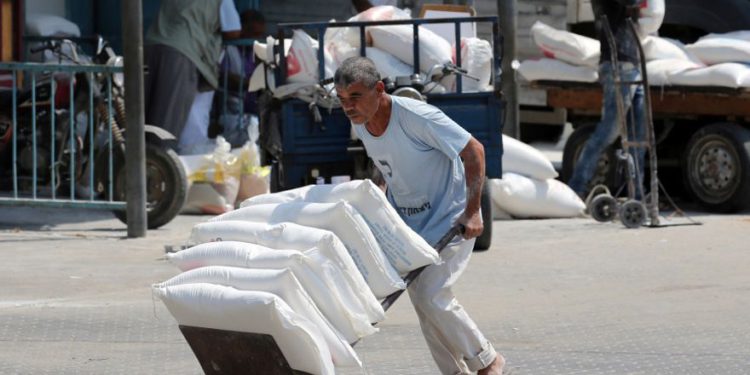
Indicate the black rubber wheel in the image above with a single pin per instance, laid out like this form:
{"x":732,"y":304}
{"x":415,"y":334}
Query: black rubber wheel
{"x":633,"y":214}
{"x":484,"y":241}
{"x":603,"y":208}
{"x":606,"y":171}
{"x":166,"y":186}
{"x":716,"y":167}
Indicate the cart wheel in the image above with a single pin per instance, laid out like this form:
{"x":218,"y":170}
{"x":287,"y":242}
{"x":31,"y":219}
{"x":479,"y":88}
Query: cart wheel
{"x":603,"y":208}
{"x":632,"y":214}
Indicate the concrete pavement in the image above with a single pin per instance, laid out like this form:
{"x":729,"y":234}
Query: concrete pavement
{"x":554,"y":296}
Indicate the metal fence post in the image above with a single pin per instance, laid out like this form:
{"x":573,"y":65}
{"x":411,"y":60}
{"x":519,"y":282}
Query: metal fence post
{"x":132,"y":37}
{"x":507,"y":14}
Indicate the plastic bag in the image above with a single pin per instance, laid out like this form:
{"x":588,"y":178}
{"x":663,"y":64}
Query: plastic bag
{"x":214,"y":179}
{"x":254,"y":178}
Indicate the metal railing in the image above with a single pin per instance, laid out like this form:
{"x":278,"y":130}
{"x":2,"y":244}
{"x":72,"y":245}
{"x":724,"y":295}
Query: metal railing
{"x":56,"y":133}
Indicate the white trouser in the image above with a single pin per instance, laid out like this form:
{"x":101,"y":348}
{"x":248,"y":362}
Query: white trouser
{"x":453,"y":338}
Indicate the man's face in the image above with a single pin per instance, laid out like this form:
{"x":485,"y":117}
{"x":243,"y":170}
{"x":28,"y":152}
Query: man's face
{"x":359,"y":102}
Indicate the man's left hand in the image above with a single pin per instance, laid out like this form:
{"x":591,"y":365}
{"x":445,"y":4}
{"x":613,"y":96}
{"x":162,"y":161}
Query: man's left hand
{"x":473,"y":224}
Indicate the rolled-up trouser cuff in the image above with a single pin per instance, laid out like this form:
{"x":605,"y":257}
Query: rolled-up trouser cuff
{"x":483,"y":359}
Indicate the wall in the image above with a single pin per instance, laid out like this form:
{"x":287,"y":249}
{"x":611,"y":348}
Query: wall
{"x":55,"y":7}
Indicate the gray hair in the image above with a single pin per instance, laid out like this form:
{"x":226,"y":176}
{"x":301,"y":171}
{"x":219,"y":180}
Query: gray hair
{"x":356,"y":69}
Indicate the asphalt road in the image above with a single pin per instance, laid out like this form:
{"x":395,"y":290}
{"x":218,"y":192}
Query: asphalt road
{"x":554,"y":296}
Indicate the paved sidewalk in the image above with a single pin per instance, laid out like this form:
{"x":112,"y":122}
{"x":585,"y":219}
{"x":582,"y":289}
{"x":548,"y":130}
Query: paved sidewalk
{"x":555,"y":296}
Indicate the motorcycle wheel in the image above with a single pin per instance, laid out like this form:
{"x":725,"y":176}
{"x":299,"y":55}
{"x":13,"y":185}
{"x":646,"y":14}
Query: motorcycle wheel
{"x":166,"y":186}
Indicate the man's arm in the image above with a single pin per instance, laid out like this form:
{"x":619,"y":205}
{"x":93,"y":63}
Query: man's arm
{"x":473,"y":158}
{"x":231,"y":27}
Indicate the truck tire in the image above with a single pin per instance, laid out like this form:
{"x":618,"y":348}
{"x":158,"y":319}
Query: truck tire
{"x":716,"y":167}
{"x":606,"y":171}
{"x":484,"y":241}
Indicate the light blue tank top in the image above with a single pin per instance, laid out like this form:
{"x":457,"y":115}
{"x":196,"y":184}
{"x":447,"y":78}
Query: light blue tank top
{"x":418,"y":156}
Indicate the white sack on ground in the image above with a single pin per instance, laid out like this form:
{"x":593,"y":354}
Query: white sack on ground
{"x":566,"y":46}
{"x":311,"y":274}
{"x":524,"y":197}
{"x":523,"y":159}
{"x":731,"y":75}
{"x":281,"y":283}
{"x":499,"y":214}
{"x":229,"y":309}
{"x":405,"y":249}
{"x":651,"y":17}
{"x":398,"y":40}
{"x":716,"y":50}
{"x":556,"y":70}
{"x":341,"y":219}
{"x":656,"y":48}
{"x":661,"y":71}
{"x":354,"y":295}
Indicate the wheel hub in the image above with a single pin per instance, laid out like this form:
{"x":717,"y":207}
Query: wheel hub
{"x":716,"y":168}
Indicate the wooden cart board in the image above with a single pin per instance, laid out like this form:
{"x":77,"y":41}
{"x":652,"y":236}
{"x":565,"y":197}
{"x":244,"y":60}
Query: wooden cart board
{"x":230,"y":352}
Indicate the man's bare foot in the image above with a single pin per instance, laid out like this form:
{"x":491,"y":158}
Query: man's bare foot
{"x":495,"y":368}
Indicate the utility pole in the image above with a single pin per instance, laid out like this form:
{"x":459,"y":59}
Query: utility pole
{"x":135,"y":164}
{"x":508,"y":16}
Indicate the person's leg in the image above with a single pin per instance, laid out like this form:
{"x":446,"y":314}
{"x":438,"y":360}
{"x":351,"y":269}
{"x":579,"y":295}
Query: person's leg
{"x":444,"y":356}
{"x":448,"y":329}
{"x":605,"y":133}
{"x":194,"y":138}
{"x":173,"y":84}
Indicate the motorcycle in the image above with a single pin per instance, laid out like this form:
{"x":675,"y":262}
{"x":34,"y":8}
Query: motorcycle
{"x":82,"y":139}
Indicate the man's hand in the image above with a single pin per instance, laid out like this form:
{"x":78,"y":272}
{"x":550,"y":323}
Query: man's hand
{"x":473,"y":159}
{"x":473,"y":225}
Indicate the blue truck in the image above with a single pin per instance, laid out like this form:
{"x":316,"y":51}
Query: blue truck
{"x":315,"y":143}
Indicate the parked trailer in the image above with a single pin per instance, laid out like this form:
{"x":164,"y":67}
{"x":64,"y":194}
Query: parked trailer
{"x":702,"y":132}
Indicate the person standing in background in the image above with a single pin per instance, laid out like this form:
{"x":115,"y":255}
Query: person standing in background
{"x":616,"y":13}
{"x":182,"y":51}
{"x":238,"y":64}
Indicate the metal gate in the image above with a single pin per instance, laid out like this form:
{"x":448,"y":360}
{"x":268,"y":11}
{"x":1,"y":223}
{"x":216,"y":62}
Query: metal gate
{"x":57,"y":146}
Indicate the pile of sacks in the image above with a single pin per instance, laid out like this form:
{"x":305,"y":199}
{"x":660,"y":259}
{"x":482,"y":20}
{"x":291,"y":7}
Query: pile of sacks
{"x":306,"y":266}
{"x":390,"y":48}
{"x":714,"y":60}
{"x":528,"y":188}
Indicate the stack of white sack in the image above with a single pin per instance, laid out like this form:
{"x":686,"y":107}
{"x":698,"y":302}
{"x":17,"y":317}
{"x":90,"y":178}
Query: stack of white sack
{"x":310,"y":286}
{"x":324,"y":266}
{"x":727,"y":56}
{"x":719,"y":60}
{"x":568,"y":56}
{"x":281,"y":282}
{"x":343,"y":220}
{"x":404,"y":249}
{"x":528,"y":188}
{"x":312,"y":242}
{"x":229,"y":309}
{"x":390,"y":48}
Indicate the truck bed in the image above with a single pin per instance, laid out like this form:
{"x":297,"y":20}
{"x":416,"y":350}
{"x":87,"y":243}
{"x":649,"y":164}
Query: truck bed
{"x":671,"y":101}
